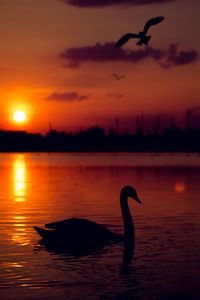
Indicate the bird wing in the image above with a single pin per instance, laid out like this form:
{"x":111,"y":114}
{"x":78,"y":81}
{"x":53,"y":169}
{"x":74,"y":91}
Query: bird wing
{"x":152,"y":22}
{"x":125,"y":39}
{"x":116,"y":76}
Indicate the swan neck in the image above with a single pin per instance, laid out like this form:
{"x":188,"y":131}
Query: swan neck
{"x":129,"y":230}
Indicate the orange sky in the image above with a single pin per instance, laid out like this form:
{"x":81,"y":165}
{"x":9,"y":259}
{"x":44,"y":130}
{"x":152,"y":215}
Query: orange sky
{"x":50,"y":66}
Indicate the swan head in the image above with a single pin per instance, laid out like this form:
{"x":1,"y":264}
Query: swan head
{"x":129,"y":191}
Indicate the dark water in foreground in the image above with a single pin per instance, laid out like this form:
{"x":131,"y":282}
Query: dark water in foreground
{"x":36,"y":189}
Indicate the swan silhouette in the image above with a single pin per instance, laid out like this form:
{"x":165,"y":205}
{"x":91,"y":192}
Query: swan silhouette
{"x":143,"y":38}
{"x":75,"y":232}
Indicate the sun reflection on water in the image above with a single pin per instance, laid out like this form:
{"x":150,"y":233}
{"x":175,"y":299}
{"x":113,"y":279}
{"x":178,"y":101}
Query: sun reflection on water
{"x":19,"y":235}
{"x":180,"y":187}
{"x":19,"y":169}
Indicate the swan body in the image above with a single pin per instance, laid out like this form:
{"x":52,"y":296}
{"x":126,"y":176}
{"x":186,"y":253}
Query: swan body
{"x":143,"y":38}
{"x":77,"y":232}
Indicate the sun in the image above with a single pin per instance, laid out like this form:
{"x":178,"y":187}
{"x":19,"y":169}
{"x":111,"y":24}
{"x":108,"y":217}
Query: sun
{"x":19,"y":116}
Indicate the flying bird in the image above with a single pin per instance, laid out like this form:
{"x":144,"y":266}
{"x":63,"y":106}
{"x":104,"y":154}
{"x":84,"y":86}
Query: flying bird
{"x":143,"y":38}
{"x":118,"y":77}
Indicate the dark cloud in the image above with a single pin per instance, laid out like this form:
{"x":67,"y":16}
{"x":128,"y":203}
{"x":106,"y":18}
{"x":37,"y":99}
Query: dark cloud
{"x":182,"y":58}
{"x":108,"y":53}
{"x":103,"y":3}
{"x":119,"y":96}
{"x":68,"y":97}
{"x":72,"y":65}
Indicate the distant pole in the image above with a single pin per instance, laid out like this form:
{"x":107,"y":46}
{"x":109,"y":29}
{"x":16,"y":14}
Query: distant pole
{"x":142,"y":122}
{"x":137,"y":124}
{"x":188,"y":118}
{"x":156,"y":127}
{"x":117,"y":125}
{"x":158,"y":123}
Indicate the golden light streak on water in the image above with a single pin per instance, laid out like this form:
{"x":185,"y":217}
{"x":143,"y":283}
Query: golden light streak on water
{"x":19,"y":235}
{"x":19,"y":179}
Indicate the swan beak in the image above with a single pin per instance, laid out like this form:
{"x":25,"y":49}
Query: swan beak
{"x":138,"y":199}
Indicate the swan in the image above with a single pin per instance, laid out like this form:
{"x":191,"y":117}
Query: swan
{"x":76,"y":232}
{"x":143,"y":38}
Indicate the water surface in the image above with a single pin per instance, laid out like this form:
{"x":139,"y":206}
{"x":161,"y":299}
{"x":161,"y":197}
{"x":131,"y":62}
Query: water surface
{"x":40,"y":188}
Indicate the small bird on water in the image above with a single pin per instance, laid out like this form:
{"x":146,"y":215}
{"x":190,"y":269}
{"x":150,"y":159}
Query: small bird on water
{"x":143,"y":38}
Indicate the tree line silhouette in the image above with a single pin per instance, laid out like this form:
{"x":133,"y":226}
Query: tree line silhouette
{"x":95,"y":139}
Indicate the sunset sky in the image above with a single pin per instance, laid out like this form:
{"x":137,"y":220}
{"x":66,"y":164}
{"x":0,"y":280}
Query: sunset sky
{"x":57,"y":60}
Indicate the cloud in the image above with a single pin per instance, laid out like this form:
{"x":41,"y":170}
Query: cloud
{"x":4,"y":69}
{"x":72,"y":65}
{"x":103,"y":3}
{"x":182,"y":58}
{"x":67,"y":97}
{"x":119,"y":96}
{"x":108,"y":53}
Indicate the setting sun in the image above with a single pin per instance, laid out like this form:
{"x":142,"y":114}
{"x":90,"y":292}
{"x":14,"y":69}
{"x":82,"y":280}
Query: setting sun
{"x":19,"y":116}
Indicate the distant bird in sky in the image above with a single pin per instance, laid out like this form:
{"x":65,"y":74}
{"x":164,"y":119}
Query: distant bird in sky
{"x":118,"y":77}
{"x":143,"y":38}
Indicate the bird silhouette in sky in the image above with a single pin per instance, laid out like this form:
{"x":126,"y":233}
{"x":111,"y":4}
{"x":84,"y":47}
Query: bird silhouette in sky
{"x":118,"y":77}
{"x":143,"y":38}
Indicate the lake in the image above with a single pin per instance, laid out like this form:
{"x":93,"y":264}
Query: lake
{"x":39,"y":188}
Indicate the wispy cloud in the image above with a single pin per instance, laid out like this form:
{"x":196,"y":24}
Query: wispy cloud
{"x":103,"y":3}
{"x":115,"y":95}
{"x":4,"y":69}
{"x":68,"y":97}
{"x":175,"y":58}
{"x":108,"y":53}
